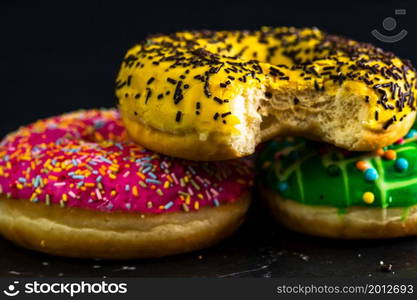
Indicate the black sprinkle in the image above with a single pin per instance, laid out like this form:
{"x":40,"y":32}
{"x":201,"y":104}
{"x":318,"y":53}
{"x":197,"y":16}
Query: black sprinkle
{"x":150,"y":80}
{"x":120,"y":85}
{"x":178,"y":93}
{"x":160,"y":96}
{"x":148,"y":95}
{"x":316,"y":85}
{"x":216,"y":115}
{"x":226,"y":114}
{"x":388,"y":123}
{"x":199,"y":77}
{"x":296,"y":100}
{"x":137,"y":96}
{"x":217,"y":99}
{"x":129,"y":79}
{"x":170,"y":80}
{"x":178,"y":116}
{"x":207,"y":88}
{"x":275,"y":72}
{"x":376,"y":115}
{"x":268,"y":95}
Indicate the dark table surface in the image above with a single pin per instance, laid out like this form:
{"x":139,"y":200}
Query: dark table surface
{"x":63,"y":56}
{"x":260,"y":248}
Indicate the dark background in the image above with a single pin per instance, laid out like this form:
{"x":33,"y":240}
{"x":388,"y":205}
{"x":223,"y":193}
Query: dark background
{"x":58,"y":56}
{"x":64,"y":55}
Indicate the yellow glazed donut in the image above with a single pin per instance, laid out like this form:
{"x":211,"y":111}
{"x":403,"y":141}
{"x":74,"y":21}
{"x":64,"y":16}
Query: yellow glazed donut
{"x":216,"y":95}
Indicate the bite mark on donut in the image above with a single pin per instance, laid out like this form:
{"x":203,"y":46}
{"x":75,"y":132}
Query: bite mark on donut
{"x":285,"y":81}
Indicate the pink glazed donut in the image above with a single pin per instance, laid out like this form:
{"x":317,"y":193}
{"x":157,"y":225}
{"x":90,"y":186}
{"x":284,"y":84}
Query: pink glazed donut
{"x":74,"y":185}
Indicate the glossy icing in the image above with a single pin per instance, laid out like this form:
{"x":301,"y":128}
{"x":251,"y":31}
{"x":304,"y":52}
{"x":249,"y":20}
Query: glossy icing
{"x":191,"y":81}
{"x":84,"y":159}
{"x":319,"y":174}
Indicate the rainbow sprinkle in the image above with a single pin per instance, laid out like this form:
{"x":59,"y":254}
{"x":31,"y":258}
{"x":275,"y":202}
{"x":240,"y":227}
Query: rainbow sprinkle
{"x":84,"y":159}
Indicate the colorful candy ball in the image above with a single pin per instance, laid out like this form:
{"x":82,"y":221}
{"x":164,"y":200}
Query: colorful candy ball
{"x":390,"y":154}
{"x":401,"y":164}
{"x":371,"y":174}
{"x":412,"y":133}
{"x":380,"y":152}
{"x":283,"y":186}
{"x":368,"y":197}
{"x":362,"y":165}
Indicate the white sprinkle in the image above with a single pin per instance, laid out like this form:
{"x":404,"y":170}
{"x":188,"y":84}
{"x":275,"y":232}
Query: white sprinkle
{"x":98,"y":194}
{"x":174,"y":177}
{"x":214,"y":192}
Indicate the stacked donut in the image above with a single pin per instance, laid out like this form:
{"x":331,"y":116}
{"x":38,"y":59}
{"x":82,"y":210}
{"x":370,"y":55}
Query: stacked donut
{"x":75,"y":185}
{"x":165,"y":173}
{"x":322,"y":190}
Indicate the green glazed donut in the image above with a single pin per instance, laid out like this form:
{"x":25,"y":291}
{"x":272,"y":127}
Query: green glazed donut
{"x":318,"y":189}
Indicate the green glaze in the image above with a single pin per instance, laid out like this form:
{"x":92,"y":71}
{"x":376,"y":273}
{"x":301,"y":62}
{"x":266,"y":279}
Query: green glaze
{"x":320,"y":174}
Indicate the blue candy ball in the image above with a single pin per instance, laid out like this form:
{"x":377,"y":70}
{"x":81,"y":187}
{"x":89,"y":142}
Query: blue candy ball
{"x":282,"y":186}
{"x":401,"y":164}
{"x":412,"y":133}
{"x":371,"y":174}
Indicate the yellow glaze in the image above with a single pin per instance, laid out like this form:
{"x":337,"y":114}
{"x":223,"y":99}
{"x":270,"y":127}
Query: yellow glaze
{"x":191,"y":81}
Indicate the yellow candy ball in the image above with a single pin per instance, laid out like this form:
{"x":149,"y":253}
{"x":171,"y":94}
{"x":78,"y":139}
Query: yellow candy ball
{"x":368,"y":197}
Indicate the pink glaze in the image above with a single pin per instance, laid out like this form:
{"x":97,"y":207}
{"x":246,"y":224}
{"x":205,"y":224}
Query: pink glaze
{"x":84,"y":159}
